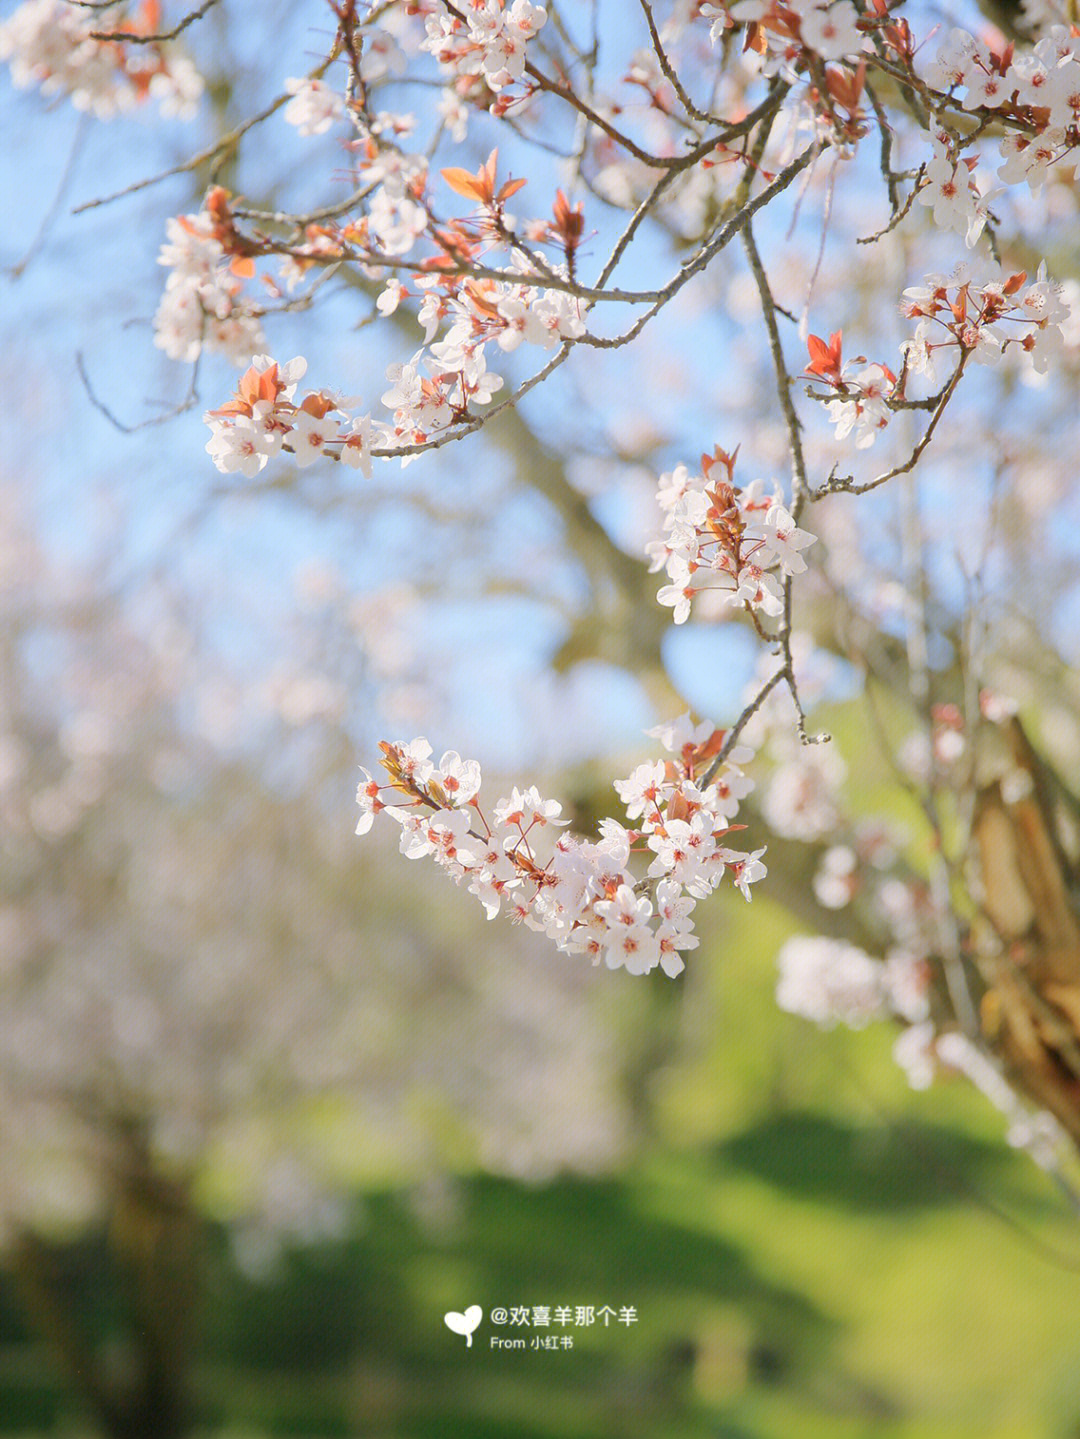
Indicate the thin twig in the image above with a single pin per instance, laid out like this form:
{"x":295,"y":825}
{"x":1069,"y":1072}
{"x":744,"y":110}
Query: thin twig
{"x":897,"y":215}
{"x":128,"y":38}
{"x":788,"y":671}
{"x":544,"y":82}
{"x":800,"y":485}
{"x":81,"y":132}
{"x":310,"y":217}
{"x":669,"y":70}
{"x":189,"y":402}
{"x":836,"y":484}
{"x":549,"y":281}
{"x":731,"y":736}
{"x":705,"y":255}
{"x":219,"y":147}
{"x":764,"y":111}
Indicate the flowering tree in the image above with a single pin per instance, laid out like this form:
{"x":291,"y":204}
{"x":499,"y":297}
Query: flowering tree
{"x":535,"y":190}
{"x":205,"y":1018}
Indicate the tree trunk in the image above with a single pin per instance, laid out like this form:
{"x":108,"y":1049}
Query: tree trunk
{"x":153,"y":1249}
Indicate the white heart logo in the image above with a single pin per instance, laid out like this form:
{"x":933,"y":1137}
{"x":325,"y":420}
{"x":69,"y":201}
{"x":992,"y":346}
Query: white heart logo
{"x":464,"y":1323}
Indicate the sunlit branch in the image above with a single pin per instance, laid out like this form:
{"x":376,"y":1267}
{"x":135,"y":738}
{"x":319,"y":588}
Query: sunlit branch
{"x":836,"y":484}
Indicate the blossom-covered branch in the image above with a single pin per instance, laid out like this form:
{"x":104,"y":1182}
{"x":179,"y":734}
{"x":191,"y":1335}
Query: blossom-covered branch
{"x":582,"y":894}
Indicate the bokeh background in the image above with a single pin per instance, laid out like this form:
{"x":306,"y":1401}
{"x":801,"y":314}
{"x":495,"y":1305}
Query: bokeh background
{"x":272,"y":1100}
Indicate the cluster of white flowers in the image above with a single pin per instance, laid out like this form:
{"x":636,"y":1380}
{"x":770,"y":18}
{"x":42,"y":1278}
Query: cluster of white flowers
{"x":862,"y":411}
{"x":478,"y":312}
{"x":830,"y":982}
{"x":448,"y":376}
{"x":394,"y":216}
{"x":581,"y":893}
{"x":493,"y":310}
{"x":49,"y":43}
{"x":203,"y":307}
{"x":719,"y":536}
{"x":426,"y":395}
{"x":816,"y":49}
{"x":316,"y":106}
{"x":951,"y":190}
{"x":833,"y":982}
{"x":436,"y":387}
{"x":959,"y":315}
{"x":486,"y":42}
{"x":788,"y":27}
{"x":1040,"y":87}
{"x":983,"y":319}
{"x":262,"y":419}
{"x":424,"y":403}
{"x":837,"y":880}
{"x":801,"y":799}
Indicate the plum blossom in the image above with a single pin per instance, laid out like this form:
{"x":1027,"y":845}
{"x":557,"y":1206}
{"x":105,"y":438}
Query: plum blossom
{"x":644,"y":788}
{"x":863,"y":410}
{"x":525,"y":808}
{"x":581,"y":893}
{"x":683,"y":849}
{"x":315,"y":106}
{"x":486,"y":41}
{"x":954,"y":61}
{"x":833,"y":31}
{"x":782,"y":540}
{"x":382,"y":55}
{"x":458,"y":779}
{"x":262,"y":419}
{"x":830,"y":982}
{"x":49,"y":43}
{"x":203,"y":306}
{"x":836,"y":879}
{"x":800,"y":801}
{"x":746,"y":869}
{"x":950,"y":190}
{"x":718,"y":536}
{"x":914,"y":1053}
{"x":238,"y":447}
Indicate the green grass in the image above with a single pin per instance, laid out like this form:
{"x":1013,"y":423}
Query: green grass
{"x":804,"y":1277}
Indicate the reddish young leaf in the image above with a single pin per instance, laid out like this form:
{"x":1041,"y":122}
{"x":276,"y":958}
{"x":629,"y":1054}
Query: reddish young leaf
{"x":462,"y":182}
{"x":824,"y":358}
